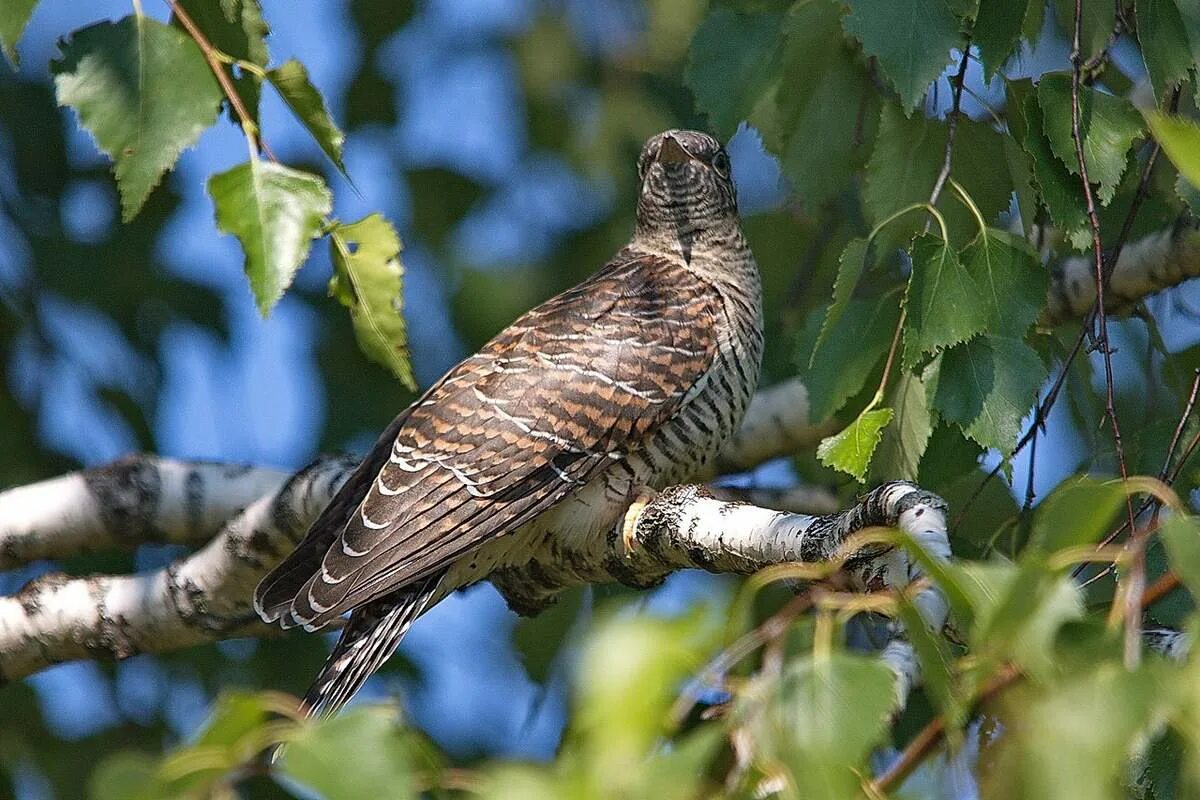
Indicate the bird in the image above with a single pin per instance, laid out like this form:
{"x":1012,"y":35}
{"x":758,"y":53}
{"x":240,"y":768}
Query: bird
{"x":577,"y":412}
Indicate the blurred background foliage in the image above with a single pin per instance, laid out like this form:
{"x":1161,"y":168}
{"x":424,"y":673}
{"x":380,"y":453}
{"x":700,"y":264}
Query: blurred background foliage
{"x":499,"y":138}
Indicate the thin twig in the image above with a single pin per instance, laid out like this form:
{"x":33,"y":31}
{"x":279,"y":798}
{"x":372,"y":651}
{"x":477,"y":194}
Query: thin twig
{"x":932,"y":734}
{"x":952,"y":122}
{"x":1132,"y":618}
{"x":218,"y":69}
{"x":1183,"y":418}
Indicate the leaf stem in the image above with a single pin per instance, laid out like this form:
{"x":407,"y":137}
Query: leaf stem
{"x":215,"y":62}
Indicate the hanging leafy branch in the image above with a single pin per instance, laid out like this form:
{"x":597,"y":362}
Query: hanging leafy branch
{"x":145,"y":91}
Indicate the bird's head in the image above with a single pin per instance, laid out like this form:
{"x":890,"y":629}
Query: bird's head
{"x":686,"y":184}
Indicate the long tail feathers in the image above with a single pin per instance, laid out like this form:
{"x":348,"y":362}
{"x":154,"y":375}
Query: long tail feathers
{"x":369,"y":638}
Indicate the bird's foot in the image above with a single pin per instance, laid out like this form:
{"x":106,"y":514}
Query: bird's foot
{"x":643,"y":496}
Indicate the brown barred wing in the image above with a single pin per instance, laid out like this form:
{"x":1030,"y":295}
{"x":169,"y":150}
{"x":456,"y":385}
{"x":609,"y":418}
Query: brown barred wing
{"x":550,"y":403}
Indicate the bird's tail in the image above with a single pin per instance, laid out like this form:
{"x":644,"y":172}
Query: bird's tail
{"x":370,"y":637}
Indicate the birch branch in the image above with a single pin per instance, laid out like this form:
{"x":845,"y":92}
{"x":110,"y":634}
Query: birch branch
{"x":204,"y":597}
{"x":137,"y":499}
{"x":1148,"y":265}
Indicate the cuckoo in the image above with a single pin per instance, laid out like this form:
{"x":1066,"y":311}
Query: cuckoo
{"x":569,"y":417}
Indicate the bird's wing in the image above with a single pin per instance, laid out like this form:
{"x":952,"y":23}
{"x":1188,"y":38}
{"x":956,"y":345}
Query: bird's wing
{"x":566,"y":391}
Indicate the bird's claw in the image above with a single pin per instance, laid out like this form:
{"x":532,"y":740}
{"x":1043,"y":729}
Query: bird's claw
{"x":644,"y":496}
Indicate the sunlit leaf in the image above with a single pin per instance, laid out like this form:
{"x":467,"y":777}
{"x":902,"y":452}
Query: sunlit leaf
{"x":367,"y":279}
{"x":1181,"y":534}
{"x":819,"y":721}
{"x":1180,"y":140}
{"x":305,"y":101}
{"x":275,"y":212}
{"x":850,"y":451}
{"x":143,"y":91}
{"x":359,"y":753}
{"x":14,"y":16}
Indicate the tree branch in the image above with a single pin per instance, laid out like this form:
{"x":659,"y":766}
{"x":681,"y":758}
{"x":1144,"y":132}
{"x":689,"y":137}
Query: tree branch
{"x":138,"y":499}
{"x":202,"y":598}
{"x":1145,"y":266}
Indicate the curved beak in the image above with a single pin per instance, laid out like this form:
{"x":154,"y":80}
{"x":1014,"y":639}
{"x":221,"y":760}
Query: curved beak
{"x":672,"y":152}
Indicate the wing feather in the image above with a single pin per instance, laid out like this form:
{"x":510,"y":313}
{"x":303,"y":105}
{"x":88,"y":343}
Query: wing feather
{"x":547,"y":405}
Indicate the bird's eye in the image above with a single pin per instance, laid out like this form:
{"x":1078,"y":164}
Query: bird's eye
{"x":720,"y":163}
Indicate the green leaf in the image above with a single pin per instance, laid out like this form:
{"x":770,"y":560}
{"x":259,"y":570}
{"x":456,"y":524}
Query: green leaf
{"x":538,"y":640}
{"x":820,"y":721}
{"x":359,"y":753}
{"x":850,"y":267}
{"x":1059,"y":191}
{"x":987,"y":386}
{"x":1180,"y":140}
{"x":367,"y":279}
{"x":1107,"y":124}
{"x":1012,"y":282}
{"x":291,"y":80}
{"x":1074,"y":739}
{"x":1164,"y":45}
{"x":1077,"y":512}
{"x":815,"y":109}
{"x":1096,"y":23}
{"x":1181,"y":534}
{"x":902,"y":169}
{"x":942,"y":301}
{"x":234,"y":715}
{"x":275,"y":212}
{"x":14,"y":16}
{"x":857,"y":342}
{"x":628,"y":678}
{"x":903,"y":444}
{"x":678,"y":773}
{"x":997,"y":31}
{"x":850,"y":451}
{"x":1016,"y":613}
{"x":144,"y":92}
{"x":125,"y":775}
{"x":911,"y":40}
{"x":731,"y":62}
{"x":904,"y":166}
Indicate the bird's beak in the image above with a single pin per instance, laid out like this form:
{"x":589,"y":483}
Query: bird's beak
{"x":672,"y":152}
